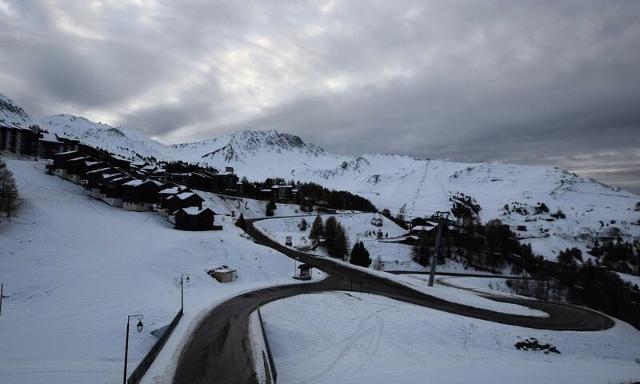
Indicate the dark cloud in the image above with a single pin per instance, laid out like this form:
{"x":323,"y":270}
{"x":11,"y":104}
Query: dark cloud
{"x":531,"y":82}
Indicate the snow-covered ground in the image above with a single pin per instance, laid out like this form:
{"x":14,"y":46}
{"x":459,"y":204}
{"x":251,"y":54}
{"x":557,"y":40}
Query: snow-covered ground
{"x":358,"y":227}
{"x":278,"y":228}
{"x":360,"y":338}
{"x":73,"y":268}
{"x":249,"y":208}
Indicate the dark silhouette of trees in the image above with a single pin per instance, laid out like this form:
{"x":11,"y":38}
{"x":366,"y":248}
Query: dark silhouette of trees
{"x":360,"y":255}
{"x":317,"y":228}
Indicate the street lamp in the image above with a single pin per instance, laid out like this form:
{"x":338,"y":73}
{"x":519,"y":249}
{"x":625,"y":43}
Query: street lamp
{"x":183,"y":277}
{"x":139,"y":327}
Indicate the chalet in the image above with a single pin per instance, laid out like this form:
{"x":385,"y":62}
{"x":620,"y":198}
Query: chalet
{"x":75,"y":167}
{"x":194,"y":219}
{"x":304,"y":272}
{"x":139,"y":195}
{"x":60,"y":162}
{"x":49,"y":144}
{"x":117,"y":161}
{"x":182,"y":200}
{"x":95,"y":178}
{"x":112,"y":190}
{"x":17,"y":139}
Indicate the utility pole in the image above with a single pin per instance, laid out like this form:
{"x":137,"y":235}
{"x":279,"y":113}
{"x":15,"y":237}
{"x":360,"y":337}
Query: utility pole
{"x":1,"y":292}
{"x":442,"y":218}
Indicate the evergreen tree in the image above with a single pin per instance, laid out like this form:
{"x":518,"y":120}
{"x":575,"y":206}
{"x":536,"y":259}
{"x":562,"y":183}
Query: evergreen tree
{"x":317,"y":228}
{"x":271,"y":207}
{"x":340,"y":246}
{"x":360,"y":255}
{"x":8,"y":190}
{"x":330,"y":229}
{"x":302,"y":225}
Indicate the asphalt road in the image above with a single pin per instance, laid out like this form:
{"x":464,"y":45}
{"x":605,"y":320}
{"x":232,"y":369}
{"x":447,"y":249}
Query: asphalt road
{"x":219,"y":350}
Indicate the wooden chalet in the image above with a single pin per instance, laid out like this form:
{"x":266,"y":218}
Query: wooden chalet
{"x":74,"y":168}
{"x":182,"y":200}
{"x":194,"y":219}
{"x":112,"y":189}
{"x":60,"y":160}
{"x":139,"y":195}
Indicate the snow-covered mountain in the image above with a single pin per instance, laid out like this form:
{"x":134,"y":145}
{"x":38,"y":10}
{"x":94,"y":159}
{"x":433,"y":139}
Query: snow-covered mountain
{"x":402,"y":184}
{"x":11,"y":113}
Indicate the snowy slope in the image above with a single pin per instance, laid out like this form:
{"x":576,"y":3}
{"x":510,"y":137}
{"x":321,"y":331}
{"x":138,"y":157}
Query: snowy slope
{"x":402,"y":184}
{"x":12,"y":114}
{"x":73,"y":268}
{"x":360,"y":338}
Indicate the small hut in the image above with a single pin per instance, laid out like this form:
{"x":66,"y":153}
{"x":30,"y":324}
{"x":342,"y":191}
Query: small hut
{"x":304,"y":272}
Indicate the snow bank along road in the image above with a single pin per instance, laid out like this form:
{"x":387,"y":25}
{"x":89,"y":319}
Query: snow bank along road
{"x":219,"y":349}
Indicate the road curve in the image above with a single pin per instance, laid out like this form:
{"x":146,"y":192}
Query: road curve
{"x":219,"y":351}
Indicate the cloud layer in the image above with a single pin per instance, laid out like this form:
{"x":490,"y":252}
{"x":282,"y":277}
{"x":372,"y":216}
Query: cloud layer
{"x":530,"y":82}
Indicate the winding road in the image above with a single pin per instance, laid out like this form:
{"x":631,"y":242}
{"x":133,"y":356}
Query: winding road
{"x":219,"y":351}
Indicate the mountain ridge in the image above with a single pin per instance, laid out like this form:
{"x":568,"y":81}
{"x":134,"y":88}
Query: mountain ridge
{"x":402,"y":184}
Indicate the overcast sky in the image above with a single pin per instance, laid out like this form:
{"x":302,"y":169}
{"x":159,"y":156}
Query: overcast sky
{"x":539,"y":82}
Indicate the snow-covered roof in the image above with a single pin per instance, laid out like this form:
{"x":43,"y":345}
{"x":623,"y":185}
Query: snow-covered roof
{"x":79,"y":158}
{"x":49,"y":137}
{"x":193,"y":210}
{"x":170,"y":191}
{"x":67,"y":152}
{"x":185,"y":195}
{"x":98,"y":170}
{"x":134,"y":183}
{"x":422,"y":228}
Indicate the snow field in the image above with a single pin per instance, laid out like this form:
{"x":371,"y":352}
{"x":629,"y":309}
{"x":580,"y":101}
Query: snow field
{"x":359,"y":338}
{"x":73,"y":268}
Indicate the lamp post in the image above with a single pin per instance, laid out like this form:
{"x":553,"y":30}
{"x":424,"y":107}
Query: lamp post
{"x":182,"y":278}
{"x":1,"y":293}
{"x":139,"y":327}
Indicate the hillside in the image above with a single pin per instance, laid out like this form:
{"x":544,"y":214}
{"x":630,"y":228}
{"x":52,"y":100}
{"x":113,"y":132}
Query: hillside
{"x":404,"y":185}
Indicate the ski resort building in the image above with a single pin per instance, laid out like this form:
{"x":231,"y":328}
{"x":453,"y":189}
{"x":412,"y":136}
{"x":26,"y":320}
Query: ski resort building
{"x":182,"y":200}
{"x":112,"y":189}
{"x":139,"y":195}
{"x":194,"y":219}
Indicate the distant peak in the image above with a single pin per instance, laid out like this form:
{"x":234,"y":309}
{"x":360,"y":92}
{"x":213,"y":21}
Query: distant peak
{"x":9,"y":107}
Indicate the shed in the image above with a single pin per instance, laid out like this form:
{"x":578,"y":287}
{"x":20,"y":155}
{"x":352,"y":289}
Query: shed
{"x":304,"y":272}
{"x":223,"y":274}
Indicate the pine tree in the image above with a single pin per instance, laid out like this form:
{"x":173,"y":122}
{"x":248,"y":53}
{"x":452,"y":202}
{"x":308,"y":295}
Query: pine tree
{"x":8,"y":190}
{"x":302,"y":225}
{"x":317,"y":228}
{"x":340,"y":246}
{"x":330,"y":229}
{"x":271,"y":206}
{"x":360,"y":255}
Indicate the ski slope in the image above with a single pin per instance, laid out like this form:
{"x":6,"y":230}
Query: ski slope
{"x":73,"y":268}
